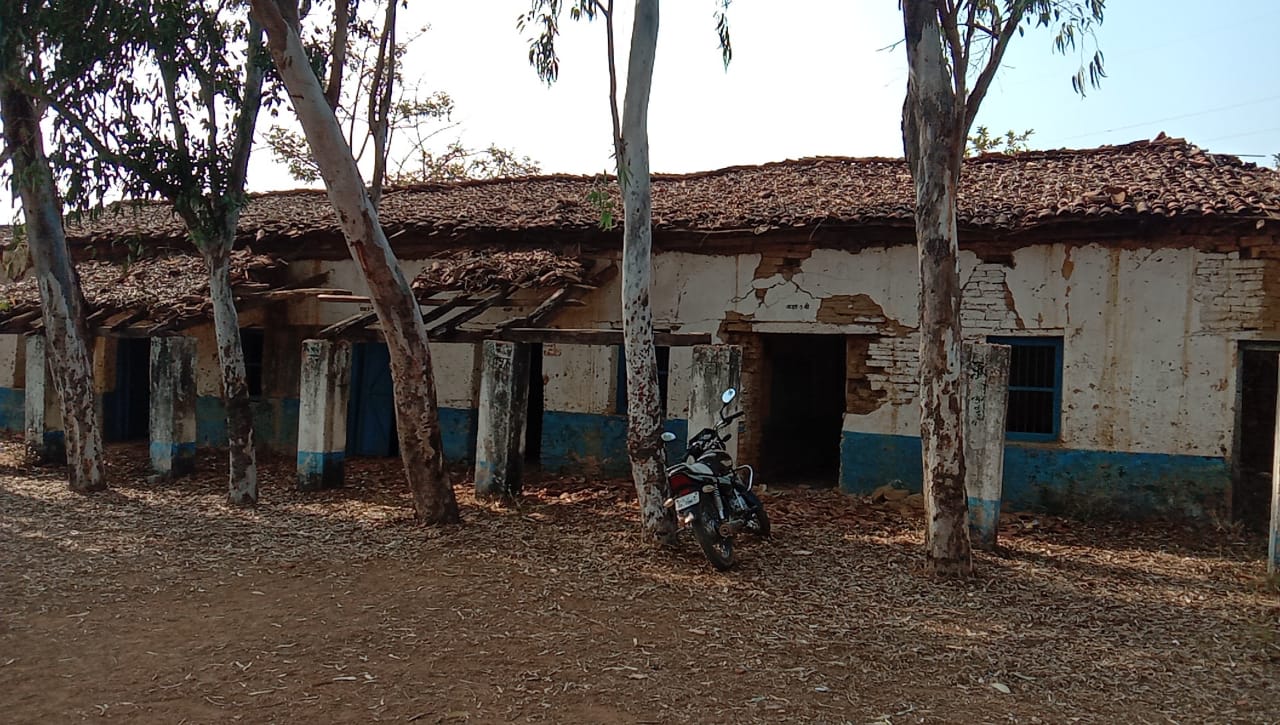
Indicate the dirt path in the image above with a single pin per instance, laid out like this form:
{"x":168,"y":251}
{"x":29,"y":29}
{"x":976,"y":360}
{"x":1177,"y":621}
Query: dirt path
{"x":159,"y":604}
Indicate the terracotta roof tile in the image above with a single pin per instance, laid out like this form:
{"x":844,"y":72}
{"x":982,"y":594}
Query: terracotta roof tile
{"x":1146,"y":179}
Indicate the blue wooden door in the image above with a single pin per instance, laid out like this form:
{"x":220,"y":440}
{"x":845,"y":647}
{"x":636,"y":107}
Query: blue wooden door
{"x":371,"y":421}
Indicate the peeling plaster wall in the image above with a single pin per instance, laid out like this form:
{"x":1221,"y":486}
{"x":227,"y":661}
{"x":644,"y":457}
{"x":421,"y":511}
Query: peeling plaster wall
{"x":1149,"y":352}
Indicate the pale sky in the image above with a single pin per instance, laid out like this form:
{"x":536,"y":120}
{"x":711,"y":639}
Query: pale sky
{"x":816,"y":77}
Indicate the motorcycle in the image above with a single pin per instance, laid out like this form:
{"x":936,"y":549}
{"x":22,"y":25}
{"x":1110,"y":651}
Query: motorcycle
{"x":713,"y":496}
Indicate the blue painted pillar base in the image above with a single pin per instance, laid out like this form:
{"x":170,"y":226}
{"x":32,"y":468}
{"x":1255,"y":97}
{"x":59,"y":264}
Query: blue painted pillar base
{"x":322,"y":414}
{"x":320,"y":471}
{"x":504,"y":398}
{"x":984,"y":523}
{"x":42,"y":414}
{"x":173,"y":406}
{"x":173,"y":459}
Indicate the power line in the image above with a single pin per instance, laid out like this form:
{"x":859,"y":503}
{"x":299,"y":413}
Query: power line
{"x":1245,"y":133}
{"x":1193,"y":114}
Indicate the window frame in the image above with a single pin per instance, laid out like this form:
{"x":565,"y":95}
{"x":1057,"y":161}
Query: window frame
{"x":1054,"y":342}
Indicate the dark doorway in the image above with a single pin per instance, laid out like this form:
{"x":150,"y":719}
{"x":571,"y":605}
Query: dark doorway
{"x":1255,"y":441}
{"x":533,"y":413}
{"x":371,"y":417}
{"x":127,"y":408}
{"x":805,"y":411}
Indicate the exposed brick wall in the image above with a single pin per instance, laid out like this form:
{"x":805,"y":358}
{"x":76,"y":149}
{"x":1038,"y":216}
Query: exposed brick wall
{"x":987,"y":304}
{"x":892,"y":367}
{"x":754,"y":396}
{"x":1232,"y":291}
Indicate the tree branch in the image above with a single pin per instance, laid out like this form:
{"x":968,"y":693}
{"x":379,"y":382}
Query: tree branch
{"x":613,"y":85}
{"x":380,"y":93}
{"x":250,"y":103}
{"x":338,"y":50}
{"x":983,"y":83}
{"x":948,"y":19}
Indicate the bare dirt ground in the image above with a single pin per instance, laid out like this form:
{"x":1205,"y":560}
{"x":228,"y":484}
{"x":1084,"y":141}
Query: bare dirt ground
{"x":158,"y":603}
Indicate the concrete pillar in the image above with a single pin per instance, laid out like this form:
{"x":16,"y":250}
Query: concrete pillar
{"x":716,"y":368}
{"x":504,"y":398}
{"x":43,"y":414}
{"x":173,"y":406}
{"x":325,"y":387}
{"x":1273,"y":533}
{"x":986,"y":376}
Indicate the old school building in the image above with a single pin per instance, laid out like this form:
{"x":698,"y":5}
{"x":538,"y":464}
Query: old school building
{"x":1137,"y":286}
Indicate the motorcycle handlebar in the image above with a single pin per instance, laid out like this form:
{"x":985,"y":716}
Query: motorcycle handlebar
{"x":726,"y":420}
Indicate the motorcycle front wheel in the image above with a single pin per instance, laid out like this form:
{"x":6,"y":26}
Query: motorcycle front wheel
{"x":718,"y":549}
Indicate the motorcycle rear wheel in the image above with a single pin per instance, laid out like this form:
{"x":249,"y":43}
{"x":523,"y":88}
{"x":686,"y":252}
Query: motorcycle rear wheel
{"x":758,"y":522}
{"x":718,"y":549}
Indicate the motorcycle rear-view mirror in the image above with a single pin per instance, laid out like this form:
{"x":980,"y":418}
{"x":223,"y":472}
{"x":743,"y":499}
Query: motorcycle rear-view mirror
{"x":728,"y":396}
{"x":668,"y":436}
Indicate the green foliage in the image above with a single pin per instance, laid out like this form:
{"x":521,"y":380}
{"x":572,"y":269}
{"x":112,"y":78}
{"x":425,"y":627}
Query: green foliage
{"x":722,"y":32}
{"x":543,"y":20}
{"x":603,"y":202}
{"x":982,"y":142}
{"x":545,"y":16}
{"x":148,"y":98}
{"x":1275,"y":160}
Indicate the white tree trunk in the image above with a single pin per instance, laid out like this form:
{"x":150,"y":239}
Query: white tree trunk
{"x":417,"y":419}
{"x":644,"y":406}
{"x":61,"y":301}
{"x":242,"y":485}
{"x":933,"y":136}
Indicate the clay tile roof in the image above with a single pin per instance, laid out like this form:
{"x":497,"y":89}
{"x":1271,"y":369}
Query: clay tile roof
{"x":157,"y":294}
{"x":478,"y":270}
{"x":1163,"y":178}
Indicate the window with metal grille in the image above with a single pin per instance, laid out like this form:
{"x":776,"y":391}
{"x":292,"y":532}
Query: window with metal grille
{"x":1035,"y":388}
{"x":664,"y":367}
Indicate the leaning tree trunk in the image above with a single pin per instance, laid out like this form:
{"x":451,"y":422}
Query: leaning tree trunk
{"x":417,"y":418}
{"x":242,"y":483}
{"x":934,"y":141}
{"x":644,"y":406}
{"x":61,"y":301}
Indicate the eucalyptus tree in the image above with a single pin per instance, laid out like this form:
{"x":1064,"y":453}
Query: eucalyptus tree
{"x":631,"y":152}
{"x":169,"y":110}
{"x":32,"y":43}
{"x":417,"y":415}
{"x":945,"y":41}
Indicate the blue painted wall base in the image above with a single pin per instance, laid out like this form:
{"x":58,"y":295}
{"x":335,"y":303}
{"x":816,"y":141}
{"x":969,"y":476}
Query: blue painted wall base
{"x":1040,"y":477}
{"x":458,"y":433}
{"x":13,"y":409}
{"x":53,"y":448}
{"x":596,"y":444}
{"x":275,"y":423}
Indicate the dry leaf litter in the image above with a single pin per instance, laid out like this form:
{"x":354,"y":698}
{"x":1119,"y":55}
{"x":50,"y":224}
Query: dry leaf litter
{"x":158,"y":602}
